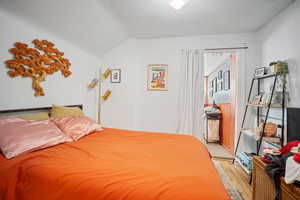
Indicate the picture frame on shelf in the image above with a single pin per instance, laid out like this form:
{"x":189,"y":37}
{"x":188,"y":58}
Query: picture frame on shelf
{"x":115,"y":76}
{"x":268,"y":71}
{"x":259,"y":72}
{"x":270,"y":129}
{"x":256,"y":99}
{"x":277,"y":97}
{"x":265,"y":99}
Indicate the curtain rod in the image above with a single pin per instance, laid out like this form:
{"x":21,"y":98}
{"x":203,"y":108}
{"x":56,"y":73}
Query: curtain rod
{"x":233,"y":48}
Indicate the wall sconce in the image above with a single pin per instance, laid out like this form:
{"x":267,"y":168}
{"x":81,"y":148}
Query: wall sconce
{"x":106,"y":95}
{"x":107,"y":73}
{"x":93,"y":83}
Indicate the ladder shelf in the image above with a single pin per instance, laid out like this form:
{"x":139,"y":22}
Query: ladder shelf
{"x":261,"y":137}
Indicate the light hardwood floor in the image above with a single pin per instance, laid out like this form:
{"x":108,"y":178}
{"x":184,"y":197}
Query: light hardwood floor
{"x":238,"y":178}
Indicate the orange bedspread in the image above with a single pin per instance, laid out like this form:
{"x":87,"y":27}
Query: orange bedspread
{"x":114,"y":165}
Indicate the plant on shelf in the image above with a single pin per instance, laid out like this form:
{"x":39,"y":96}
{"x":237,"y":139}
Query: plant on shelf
{"x":280,"y":67}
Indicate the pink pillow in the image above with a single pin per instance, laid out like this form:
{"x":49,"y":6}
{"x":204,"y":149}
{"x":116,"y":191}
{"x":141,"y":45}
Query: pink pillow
{"x":77,"y":127}
{"x":18,"y":136}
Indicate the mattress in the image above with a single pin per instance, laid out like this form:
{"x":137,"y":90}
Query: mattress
{"x":114,"y":165}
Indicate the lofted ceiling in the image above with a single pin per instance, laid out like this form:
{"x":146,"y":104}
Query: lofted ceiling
{"x":99,"y":25}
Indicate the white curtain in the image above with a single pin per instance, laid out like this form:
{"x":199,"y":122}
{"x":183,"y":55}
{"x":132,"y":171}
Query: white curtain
{"x":191,"y":95}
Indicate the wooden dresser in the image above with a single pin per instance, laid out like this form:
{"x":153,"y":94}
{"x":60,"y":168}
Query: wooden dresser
{"x":263,"y":186}
{"x":288,"y":191}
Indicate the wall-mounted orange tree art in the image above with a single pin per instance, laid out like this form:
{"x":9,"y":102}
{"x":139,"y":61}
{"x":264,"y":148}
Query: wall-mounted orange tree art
{"x":37,"y":63}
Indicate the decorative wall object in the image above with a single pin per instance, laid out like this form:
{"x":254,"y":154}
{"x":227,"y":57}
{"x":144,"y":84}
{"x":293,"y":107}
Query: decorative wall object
{"x":37,"y":63}
{"x":115,"y":76}
{"x":220,"y":75}
{"x":226,"y":80}
{"x":215,"y":85}
{"x":157,"y":77}
{"x":220,"y":85}
{"x":220,"y":80}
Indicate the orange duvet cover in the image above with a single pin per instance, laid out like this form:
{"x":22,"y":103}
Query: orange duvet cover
{"x":114,"y":165}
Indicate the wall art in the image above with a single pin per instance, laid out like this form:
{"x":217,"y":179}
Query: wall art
{"x":157,"y":77}
{"x":37,"y":63}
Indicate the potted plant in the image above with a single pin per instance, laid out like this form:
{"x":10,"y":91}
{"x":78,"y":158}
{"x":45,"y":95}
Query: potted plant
{"x":279,"y":67}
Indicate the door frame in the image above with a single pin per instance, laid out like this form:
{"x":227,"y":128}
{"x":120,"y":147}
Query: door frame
{"x":238,"y":94}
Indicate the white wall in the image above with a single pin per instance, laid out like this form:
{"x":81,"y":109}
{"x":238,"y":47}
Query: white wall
{"x":131,"y":106}
{"x":17,"y":92}
{"x":119,"y":110}
{"x":280,"y":40}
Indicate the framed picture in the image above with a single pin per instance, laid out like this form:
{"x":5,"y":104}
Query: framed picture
{"x":115,"y":76}
{"x":226,"y":80}
{"x":157,"y":77}
{"x":259,"y":72}
{"x":215,"y":85}
{"x":257,"y":99}
{"x":266,"y":98}
{"x":220,"y":75}
{"x":220,"y":85}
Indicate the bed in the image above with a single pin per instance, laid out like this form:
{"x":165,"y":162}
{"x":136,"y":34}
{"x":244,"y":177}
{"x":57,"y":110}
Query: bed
{"x":114,"y":164}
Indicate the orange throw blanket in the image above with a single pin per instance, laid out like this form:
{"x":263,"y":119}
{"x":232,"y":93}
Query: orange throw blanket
{"x":114,"y":165}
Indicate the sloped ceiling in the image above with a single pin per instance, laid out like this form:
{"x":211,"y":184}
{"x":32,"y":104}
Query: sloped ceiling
{"x":155,"y":18}
{"x":99,"y":25}
{"x":86,"y":23}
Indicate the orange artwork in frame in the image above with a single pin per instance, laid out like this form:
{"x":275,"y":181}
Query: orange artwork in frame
{"x":157,"y":77}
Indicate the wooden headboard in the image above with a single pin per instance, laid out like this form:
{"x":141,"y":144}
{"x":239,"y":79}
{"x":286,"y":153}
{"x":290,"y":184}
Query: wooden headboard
{"x":11,"y":111}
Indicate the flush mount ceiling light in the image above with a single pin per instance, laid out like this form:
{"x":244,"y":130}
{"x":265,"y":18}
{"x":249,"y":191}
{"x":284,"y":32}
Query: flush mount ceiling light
{"x":177,"y":4}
